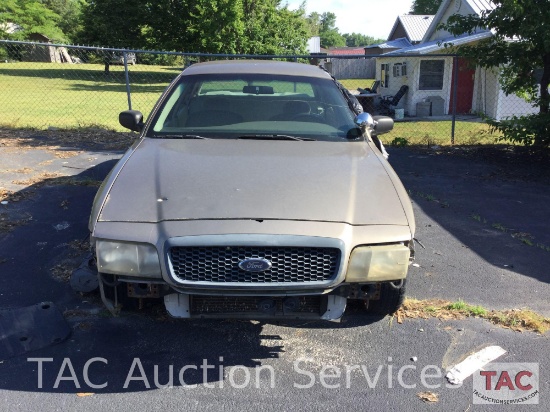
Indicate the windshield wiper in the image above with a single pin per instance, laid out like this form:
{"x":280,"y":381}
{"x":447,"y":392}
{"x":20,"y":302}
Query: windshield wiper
{"x":179,"y":136}
{"x":274,"y":137}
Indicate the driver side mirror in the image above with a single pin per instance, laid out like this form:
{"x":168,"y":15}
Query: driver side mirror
{"x":131,"y":119}
{"x":364,"y":120}
{"x":382,"y":124}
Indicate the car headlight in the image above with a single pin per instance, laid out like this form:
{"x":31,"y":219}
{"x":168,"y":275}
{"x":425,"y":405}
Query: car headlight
{"x":378,"y":263}
{"x":125,"y":258}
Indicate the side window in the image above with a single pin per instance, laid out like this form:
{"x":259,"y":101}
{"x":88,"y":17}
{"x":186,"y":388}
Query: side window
{"x":431,"y":74}
{"x":399,"y":69}
{"x":385,"y":75}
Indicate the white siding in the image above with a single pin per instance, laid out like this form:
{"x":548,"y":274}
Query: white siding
{"x":395,"y":82}
{"x":486,"y":91}
{"x":464,"y":9}
{"x":513,"y":105}
{"x":491,"y":100}
{"x":314,"y":44}
{"x":414,"y":95}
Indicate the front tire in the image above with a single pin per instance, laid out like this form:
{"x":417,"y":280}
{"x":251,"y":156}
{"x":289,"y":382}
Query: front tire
{"x":392,"y":295}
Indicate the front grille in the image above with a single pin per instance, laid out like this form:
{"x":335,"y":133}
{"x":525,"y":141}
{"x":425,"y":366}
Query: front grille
{"x":212,"y":305}
{"x":220,"y":264}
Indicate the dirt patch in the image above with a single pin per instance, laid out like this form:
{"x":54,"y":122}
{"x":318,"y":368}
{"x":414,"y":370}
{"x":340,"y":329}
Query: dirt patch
{"x":25,"y":170}
{"x":64,"y":154}
{"x":70,"y":259}
{"x":37,"y":180}
{"x":62,"y":271}
{"x":57,"y":179}
{"x":8,"y":224}
{"x":76,"y":181}
{"x":11,"y":196}
{"x":24,"y":139}
{"x":79,"y":246}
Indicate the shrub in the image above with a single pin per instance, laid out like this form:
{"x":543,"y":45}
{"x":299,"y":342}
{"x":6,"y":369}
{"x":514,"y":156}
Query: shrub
{"x":533,"y":129}
{"x":399,"y":142}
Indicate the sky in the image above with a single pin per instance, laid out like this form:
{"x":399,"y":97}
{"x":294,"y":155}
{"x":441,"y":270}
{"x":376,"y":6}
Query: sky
{"x":370,"y":17}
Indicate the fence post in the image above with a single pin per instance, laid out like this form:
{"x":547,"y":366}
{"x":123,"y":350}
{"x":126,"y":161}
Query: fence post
{"x":127,"y":80}
{"x":455,"y":94}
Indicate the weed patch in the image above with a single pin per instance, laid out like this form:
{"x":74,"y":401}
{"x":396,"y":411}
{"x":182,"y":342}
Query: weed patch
{"x":515,"y":319}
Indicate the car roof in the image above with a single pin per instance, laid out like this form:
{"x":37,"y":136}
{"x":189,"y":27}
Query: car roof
{"x":256,"y":66}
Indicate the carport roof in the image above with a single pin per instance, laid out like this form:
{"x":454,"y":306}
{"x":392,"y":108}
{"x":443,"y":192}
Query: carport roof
{"x":394,"y":44}
{"x":439,"y":45}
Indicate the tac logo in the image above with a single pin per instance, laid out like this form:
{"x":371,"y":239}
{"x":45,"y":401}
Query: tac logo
{"x":507,"y":384}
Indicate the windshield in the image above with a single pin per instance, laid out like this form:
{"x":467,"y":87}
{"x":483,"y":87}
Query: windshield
{"x":255,"y":106}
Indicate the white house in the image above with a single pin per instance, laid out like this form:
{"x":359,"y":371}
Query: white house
{"x":430,"y":76}
{"x":314,"y":45}
{"x":9,"y":28}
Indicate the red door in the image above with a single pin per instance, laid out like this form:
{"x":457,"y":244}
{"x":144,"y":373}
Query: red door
{"x":465,"y":87}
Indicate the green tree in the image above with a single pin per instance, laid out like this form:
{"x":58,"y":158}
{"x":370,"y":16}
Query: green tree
{"x":206,"y":26}
{"x":114,"y":23}
{"x":425,"y":6}
{"x":69,"y":12}
{"x":273,"y":29}
{"x":313,"y":21}
{"x":32,"y":17}
{"x":518,"y":47}
{"x":330,"y":36}
{"x":290,"y":31}
{"x":358,"y":40}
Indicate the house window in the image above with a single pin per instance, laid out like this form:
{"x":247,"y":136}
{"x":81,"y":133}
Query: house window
{"x":385,"y":75}
{"x":431,"y":74}
{"x":399,"y":69}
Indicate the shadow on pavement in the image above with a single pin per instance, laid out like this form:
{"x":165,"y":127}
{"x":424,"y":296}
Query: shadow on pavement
{"x":494,"y":206}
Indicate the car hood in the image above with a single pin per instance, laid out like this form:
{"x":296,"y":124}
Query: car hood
{"x":167,"y":180}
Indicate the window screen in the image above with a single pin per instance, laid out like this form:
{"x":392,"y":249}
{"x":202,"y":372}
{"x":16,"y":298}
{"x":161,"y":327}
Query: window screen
{"x":431,"y":74}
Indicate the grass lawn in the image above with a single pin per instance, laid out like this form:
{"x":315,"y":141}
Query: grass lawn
{"x":431,"y":132}
{"x":353,"y":84}
{"x":39,"y":95}
{"x":439,"y":133}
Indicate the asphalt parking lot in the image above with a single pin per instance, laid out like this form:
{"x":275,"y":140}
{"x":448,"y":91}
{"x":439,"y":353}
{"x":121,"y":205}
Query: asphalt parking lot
{"x":483,"y":236}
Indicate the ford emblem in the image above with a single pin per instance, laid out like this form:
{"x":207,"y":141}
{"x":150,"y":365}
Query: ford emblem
{"x":255,"y":265}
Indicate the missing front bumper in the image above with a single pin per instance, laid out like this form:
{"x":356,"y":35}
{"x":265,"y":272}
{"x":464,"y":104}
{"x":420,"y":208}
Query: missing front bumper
{"x":325,"y":307}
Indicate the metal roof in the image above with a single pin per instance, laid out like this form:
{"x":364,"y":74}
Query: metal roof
{"x":393,"y":44}
{"x":481,"y":5}
{"x":438,"y":45}
{"x":414,"y":25}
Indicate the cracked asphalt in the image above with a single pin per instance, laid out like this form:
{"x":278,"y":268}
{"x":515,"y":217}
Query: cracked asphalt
{"x":482,"y":234}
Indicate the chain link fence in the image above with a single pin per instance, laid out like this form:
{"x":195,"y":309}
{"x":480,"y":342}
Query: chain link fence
{"x":434,"y":98}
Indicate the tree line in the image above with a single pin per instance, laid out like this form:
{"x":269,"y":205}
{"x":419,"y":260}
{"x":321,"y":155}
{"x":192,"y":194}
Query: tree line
{"x":206,"y":26}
